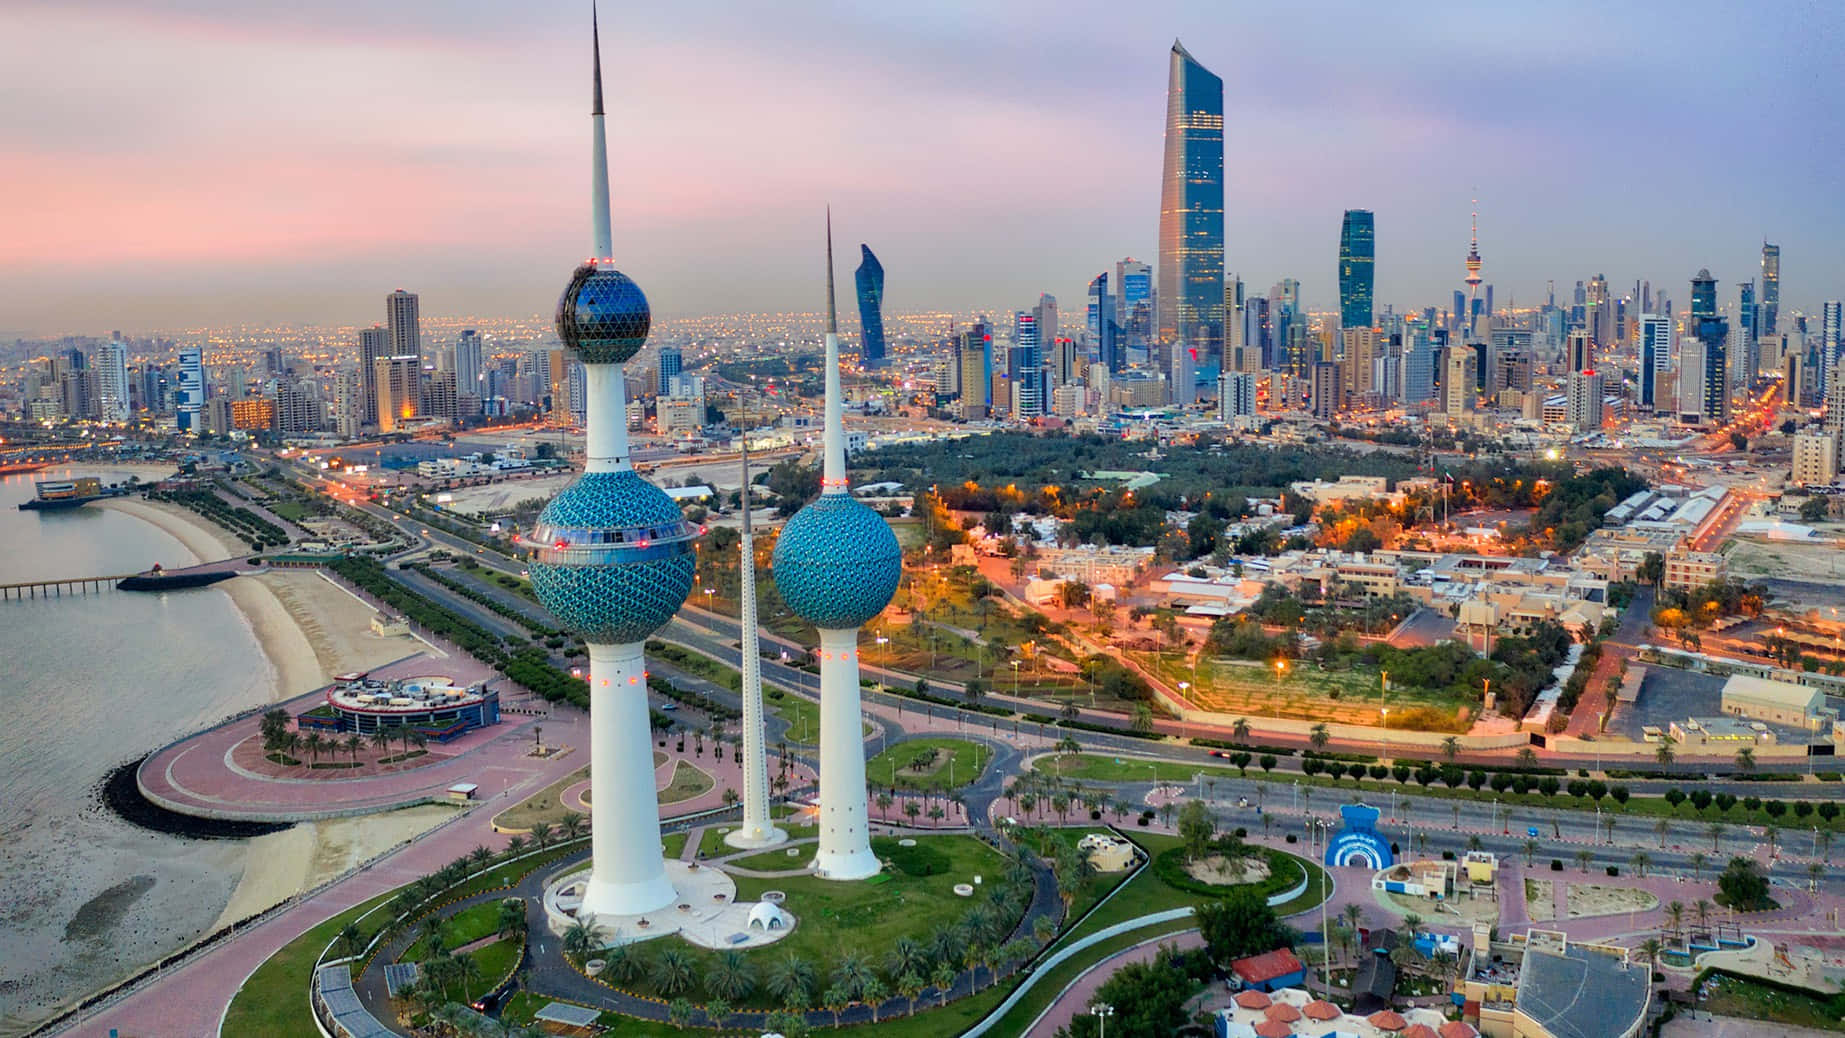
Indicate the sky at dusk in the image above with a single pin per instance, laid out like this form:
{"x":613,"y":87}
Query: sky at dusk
{"x":182,"y":162}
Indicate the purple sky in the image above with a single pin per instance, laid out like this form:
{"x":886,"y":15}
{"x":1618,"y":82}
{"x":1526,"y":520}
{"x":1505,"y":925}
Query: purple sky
{"x":222,"y":161}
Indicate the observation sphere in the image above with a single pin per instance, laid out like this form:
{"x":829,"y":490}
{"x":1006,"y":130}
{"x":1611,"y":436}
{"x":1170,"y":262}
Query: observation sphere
{"x":602,"y":316}
{"x":837,"y":563}
{"x":613,"y":557}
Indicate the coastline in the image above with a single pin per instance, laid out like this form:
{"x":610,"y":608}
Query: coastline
{"x":204,"y":539}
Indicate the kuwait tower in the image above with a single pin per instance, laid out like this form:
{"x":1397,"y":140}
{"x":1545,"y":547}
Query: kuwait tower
{"x":837,"y":564}
{"x":613,"y":559}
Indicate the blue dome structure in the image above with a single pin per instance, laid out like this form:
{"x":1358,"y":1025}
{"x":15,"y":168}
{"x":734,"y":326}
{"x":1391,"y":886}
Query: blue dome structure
{"x":837,"y":563}
{"x":613,"y":557}
{"x":603,"y":316}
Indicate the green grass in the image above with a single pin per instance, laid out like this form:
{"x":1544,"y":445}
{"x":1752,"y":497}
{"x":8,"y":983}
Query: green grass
{"x":495,"y":961}
{"x":959,"y":763}
{"x":803,"y":718}
{"x":468,"y":925}
{"x":1733,"y":996}
{"x":1051,"y":982}
{"x":863,"y":918}
{"x":777,"y":860}
{"x":1044,"y":840}
{"x":1095,"y":767}
{"x":293,"y":511}
{"x":271,"y":1001}
{"x":673,"y":843}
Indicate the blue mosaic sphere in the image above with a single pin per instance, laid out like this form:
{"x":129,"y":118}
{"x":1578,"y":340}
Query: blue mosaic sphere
{"x":613,"y":557}
{"x":602,"y":316}
{"x":837,"y":563}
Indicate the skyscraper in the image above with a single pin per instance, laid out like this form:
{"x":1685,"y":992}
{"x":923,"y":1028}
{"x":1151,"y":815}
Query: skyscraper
{"x":112,"y":383}
{"x":613,"y":561}
{"x":837,"y":564}
{"x":1026,"y":369}
{"x":1703,"y":295}
{"x":1584,"y":399}
{"x":1655,"y":355}
{"x":189,"y":398}
{"x":1357,"y":268}
{"x":1134,"y":300}
{"x":374,"y":342}
{"x":400,"y":308}
{"x":468,"y":374}
{"x":1191,"y":261}
{"x":1771,"y":289}
{"x":672,"y":362}
{"x":1046,"y":313}
{"x":870,"y":309}
{"x":1102,"y":326}
{"x":398,"y":383}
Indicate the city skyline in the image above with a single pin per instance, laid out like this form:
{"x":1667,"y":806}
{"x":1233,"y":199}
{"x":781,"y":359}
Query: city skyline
{"x":301,"y":198}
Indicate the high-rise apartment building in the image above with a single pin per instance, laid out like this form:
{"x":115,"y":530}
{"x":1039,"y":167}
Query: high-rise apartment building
{"x":1816,"y":458}
{"x":470,"y":381}
{"x":1103,"y":326}
{"x":1026,"y":370}
{"x":112,"y":383}
{"x":1326,"y":391}
{"x":1584,"y":396}
{"x":348,"y":403}
{"x":405,"y":324}
{"x":1191,"y":260}
{"x":1457,"y":382}
{"x":671,"y":363}
{"x":870,"y":278}
{"x":374,"y":342}
{"x":1236,"y":396}
{"x":1357,"y":268}
{"x":398,"y":381}
{"x":1655,"y":355}
{"x":973,"y":350}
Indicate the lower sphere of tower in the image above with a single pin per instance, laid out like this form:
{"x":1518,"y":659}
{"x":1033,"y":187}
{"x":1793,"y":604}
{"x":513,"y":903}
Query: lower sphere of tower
{"x":837,"y":563}
{"x":613,"y":557}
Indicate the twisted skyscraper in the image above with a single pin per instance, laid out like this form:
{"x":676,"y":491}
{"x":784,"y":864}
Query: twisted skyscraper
{"x":613,"y":559}
{"x":837,"y":564}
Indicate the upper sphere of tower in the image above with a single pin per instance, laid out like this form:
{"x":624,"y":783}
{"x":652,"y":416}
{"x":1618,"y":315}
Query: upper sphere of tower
{"x":837,"y":563}
{"x":602,"y":316}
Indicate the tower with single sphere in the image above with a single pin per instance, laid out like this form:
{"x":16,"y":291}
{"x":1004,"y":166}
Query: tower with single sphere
{"x":836,"y":565}
{"x":612,"y":557}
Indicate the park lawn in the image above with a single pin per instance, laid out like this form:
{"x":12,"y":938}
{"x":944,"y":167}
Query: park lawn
{"x":271,"y":998}
{"x":1095,"y":767}
{"x":546,"y":805}
{"x":929,"y":1022}
{"x":697,"y":664}
{"x":293,"y":511}
{"x":495,"y":961}
{"x":688,"y":782}
{"x":802,"y":715}
{"x":469,"y":924}
{"x":777,"y":859}
{"x":836,"y":918}
{"x":958,"y":763}
{"x":672,"y":844}
{"x":1748,"y":1000}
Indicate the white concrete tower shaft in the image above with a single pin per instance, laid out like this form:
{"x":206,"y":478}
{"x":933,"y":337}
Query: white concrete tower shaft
{"x":845,"y":814}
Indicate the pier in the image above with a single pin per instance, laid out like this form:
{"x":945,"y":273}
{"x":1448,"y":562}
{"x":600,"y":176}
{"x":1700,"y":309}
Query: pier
{"x":58,"y":588}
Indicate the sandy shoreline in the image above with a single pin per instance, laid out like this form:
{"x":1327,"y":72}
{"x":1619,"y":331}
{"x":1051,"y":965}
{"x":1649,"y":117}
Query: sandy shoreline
{"x":203,"y":538}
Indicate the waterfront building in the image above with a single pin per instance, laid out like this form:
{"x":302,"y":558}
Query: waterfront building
{"x":837,"y":564}
{"x":435,"y":706}
{"x":1191,"y":261}
{"x":613,"y":560}
{"x":405,"y":324}
{"x":870,"y":278}
{"x":1357,"y":268}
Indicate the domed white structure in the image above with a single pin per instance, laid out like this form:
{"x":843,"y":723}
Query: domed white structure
{"x":770,"y":917}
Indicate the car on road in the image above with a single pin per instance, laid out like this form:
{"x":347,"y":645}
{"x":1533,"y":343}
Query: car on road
{"x":1220,"y":753}
{"x":1531,"y":831}
{"x":669,"y":705}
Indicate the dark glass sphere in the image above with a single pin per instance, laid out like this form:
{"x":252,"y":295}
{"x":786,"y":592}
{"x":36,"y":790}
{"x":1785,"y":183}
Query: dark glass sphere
{"x":602,"y":316}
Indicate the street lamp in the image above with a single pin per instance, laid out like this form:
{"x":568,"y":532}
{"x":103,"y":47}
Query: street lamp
{"x":1281,"y":667}
{"x":1101,"y":1011}
{"x":1384,"y":736}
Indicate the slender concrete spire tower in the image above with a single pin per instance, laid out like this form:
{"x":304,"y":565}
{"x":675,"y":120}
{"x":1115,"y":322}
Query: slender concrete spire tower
{"x":613,"y":559}
{"x":837,"y":564}
{"x":757,"y":830}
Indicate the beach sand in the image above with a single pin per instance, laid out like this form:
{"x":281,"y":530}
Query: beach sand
{"x":201,"y":536}
{"x":284,"y":864}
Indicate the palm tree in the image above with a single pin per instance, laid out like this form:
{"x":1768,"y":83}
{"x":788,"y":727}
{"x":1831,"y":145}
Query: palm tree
{"x":884,"y":802}
{"x":874,"y":994}
{"x":1531,"y":848}
{"x":381,"y":741}
{"x":1769,"y":832}
{"x":1583,"y":857}
{"x":851,"y":974}
{"x":1240,"y":730}
{"x":620,"y":962}
{"x":909,"y":985}
{"x":836,"y":999}
{"x":1702,"y":907}
{"x":911,"y":809}
{"x":1353,"y":913}
{"x":1451,"y":747}
{"x":1715,"y":832}
{"x":480,"y":855}
{"x":512,"y":917}
{"x":467,"y":973}
{"x":791,"y":979}
{"x":716,"y":1011}
{"x":730,"y":977}
{"x":542,"y":834}
{"x":943,"y":980}
{"x":314,"y":743}
{"x":1474,"y":843}
{"x":906,"y":956}
{"x":352,"y":938}
{"x":1664,"y":753}
{"x":672,"y":971}
{"x":1697,"y":865}
{"x":1745,"y":759}
{"x":582,"y":940}
{"x":1640,"y":861}
{"x":572,"y":825}
{"x":680,"y":1012}
{"x":418,"y":739}
{"x":1660,"y":828}
{"x":1318,"y":736}
{"x":1675,"y":916}
{"x":353,"y":742}
{"x":1650,"y":949}
{"x":1527,"y":758}
{"x":515,"y":846}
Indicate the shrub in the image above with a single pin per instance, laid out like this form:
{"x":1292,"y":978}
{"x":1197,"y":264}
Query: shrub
{"x":1556,"y":864}
{"x":1614,"y":870}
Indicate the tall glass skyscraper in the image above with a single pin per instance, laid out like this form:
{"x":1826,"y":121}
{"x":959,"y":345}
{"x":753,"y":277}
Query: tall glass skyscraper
{"x":870,"y":309}
{"x":1357,"y":268}
{"x":1770,"y":317}
{"x":1191,"y":265}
